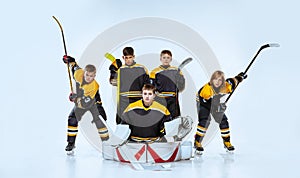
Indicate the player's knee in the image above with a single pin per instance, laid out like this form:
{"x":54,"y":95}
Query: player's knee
{"x":224,"y":124}
{"x":72,"y":121}
{"x":99,"y":123}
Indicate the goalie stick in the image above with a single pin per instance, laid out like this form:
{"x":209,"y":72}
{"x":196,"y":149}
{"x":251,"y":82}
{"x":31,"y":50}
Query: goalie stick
{"x":65,"y":48}
{"x":248,"y":67}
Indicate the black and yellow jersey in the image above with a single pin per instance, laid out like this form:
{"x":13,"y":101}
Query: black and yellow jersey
{"x":168,"y":80}
{"x":146,"y":123}
{"x":131,"y":80}
{"x":207,"y":95}
{"x":88,"y":89}
{"x":87,"y":93}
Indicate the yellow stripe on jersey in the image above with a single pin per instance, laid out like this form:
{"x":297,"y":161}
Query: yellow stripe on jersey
{"x":131,"y":94}
{"x":160,"y":68}
{"x":207,"y":91}
{"x":147,"y":139}
{"x":155,"y":106}
{"x":166,"y":94}
{"x":134,"y":66}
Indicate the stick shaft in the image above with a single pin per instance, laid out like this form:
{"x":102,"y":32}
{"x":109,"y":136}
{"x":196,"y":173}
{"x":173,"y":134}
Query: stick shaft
{"x":250,"y":64}
{"x":65,"y":48}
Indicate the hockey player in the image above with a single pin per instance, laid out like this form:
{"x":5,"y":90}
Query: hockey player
{"x":86,"y":98}
{"x":146,"y":117}
{"x":169,"y":81}
{"x":208,"y":101}
{"x":129,"y":79}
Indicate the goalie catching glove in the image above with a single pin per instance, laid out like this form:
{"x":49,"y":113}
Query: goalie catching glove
{"x":184,"y":127}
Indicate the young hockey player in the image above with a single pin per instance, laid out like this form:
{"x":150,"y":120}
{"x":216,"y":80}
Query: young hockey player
{"x":169,"y":81}
{"x":129,"y":79}
{"x":86,"y":98}
{"x":208,"y":101}
{"x":146,"y":117}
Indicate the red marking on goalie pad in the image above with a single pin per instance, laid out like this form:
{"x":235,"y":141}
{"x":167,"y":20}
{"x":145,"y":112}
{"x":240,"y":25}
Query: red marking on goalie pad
{"x":140,"y":153}
{"x":158,"y":159}
{"x":120,"y":156}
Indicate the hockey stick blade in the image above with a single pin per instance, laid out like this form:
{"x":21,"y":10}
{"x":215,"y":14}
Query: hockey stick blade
{"x":248,"y":67}
{"x":274,"y":45}
{"x":268,"y":45}
{"x":110,"y":57}
{"x":260,"y":49}
{"x":185,"y":62}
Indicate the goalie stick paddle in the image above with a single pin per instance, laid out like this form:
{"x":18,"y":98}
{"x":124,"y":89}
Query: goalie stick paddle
{"x":65,"y":48}
{"x":248,"y":67}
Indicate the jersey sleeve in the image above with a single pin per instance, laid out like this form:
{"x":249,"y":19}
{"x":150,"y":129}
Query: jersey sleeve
{"x":180,"y":80}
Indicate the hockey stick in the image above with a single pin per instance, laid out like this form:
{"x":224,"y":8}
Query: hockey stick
{"x":248,"y":67}
{"x":185,"y":62}
{"x":110,"y":57}
{"x":180,"y":67}
{"x":65,"y":48}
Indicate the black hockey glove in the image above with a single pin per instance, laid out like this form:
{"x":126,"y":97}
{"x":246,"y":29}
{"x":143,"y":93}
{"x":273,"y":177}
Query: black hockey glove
{"x":240,"y":77}
{"x":68,"y":59}
{"x":115,"y":65}
{"x":113,"y":78}
{"x":72,"y":97}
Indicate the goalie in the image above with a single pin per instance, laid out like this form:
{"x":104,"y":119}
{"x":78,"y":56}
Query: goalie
{"x":147,"y":118}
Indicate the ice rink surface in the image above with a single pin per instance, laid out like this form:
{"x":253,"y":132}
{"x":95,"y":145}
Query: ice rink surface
{"x":51,"y":162}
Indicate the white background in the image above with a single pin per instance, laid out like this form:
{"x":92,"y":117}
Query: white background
{"x":264,"y":113}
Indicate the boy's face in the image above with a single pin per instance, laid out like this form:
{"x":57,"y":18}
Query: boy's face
{"x":148,"y":97}
{"x":217,"y":82}
{"x":89,"y":76}
{"x":128,"y":59}
{"x":165,"y":59}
